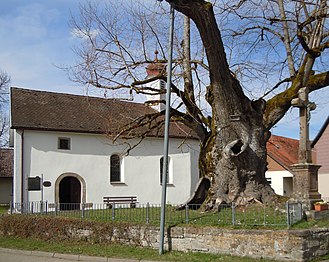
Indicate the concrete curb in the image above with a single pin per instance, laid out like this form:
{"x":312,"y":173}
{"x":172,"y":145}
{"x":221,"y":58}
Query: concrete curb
{"x":74,"y":257}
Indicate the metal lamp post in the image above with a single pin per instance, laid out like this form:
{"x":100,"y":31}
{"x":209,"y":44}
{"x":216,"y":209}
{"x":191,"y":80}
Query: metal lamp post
{"x":166,"y":135}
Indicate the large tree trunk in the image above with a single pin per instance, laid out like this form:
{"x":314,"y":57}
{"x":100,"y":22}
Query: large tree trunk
{"x":234,"y":159}
{"x":233,"y":155}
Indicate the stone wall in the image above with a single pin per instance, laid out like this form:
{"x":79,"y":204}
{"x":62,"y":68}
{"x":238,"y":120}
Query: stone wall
{"x":324,"y":214}
{"x":293,"y":245}
{"x":288,"y":245}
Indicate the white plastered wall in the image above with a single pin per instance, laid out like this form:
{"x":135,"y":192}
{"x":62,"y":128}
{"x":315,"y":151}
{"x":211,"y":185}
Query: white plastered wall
{"x":279,"y":182}
{"x":89,"y":158}
{"x":323,"y":179}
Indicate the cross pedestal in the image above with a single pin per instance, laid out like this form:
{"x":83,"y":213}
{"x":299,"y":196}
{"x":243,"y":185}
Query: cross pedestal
{"x":305,"y":184}
{"x":305,"y":180}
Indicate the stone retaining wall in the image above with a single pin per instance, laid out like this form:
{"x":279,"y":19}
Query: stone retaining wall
{"x":289,"y":245}
{"x":293,"y":245}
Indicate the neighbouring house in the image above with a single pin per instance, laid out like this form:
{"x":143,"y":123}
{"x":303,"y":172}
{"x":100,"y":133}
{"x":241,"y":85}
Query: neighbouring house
{"x":282,"y":152}
{"x":6,"y":175}
{"x":320,"y":146}
{"x":66,"y":142}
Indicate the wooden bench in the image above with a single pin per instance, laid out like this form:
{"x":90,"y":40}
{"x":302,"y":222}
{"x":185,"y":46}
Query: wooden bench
{"x":131,"y":200}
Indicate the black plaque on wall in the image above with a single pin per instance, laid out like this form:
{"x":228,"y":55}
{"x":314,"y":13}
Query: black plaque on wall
{"x":34,"y":183}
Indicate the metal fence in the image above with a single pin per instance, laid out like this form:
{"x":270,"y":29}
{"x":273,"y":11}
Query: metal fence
{"x":226,"y":215}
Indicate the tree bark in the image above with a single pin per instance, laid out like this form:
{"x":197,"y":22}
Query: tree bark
{"x":233,"y":153}
{"x":234,"y":159}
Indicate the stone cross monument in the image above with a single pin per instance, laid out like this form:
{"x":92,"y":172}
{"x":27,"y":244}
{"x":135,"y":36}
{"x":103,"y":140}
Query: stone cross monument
{"x":305,"y":180}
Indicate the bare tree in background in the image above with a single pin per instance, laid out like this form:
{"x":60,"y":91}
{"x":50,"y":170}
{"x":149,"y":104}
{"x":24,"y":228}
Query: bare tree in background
{"x":4,"y":95}
{"x":224,"y":70}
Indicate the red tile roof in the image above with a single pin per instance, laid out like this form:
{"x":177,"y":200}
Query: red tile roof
{"x":6,"y":162}
{"x":283,"y":150}
{"x":39,"y":110}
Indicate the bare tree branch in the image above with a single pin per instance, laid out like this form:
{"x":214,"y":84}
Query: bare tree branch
{"x":4,"y":98}
{"x":222,"y":65}
{"x":287,"y":41}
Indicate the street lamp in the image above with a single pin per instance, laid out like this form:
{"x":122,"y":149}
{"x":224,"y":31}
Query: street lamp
{"x":166,"y":134}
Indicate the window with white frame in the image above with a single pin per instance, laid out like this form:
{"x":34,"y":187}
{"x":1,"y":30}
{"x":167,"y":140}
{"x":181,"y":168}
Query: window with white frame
{"x":115,"y":168}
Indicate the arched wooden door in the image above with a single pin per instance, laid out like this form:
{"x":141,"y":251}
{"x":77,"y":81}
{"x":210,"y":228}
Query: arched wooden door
{"x":69,"y":193}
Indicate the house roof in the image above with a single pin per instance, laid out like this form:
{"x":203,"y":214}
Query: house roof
{"x":318,"y":136}
{"x":6,"y":162}
{"x":40,"y":110}
{"x":283,"y":150}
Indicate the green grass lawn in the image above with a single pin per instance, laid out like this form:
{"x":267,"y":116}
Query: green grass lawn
{"x":4,"y":209}
{"x":114,"y":250}
{"x":255,"y":215}
{"x":322,"y":223}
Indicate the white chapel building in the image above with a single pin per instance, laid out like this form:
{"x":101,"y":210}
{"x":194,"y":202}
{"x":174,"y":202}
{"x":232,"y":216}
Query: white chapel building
{"x":67,"y":141}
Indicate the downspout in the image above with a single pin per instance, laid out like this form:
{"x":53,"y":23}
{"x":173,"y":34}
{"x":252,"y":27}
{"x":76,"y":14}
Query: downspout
{"x":22,"y":169}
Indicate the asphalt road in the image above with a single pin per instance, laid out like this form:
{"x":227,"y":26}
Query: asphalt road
{"x":12,"y":255}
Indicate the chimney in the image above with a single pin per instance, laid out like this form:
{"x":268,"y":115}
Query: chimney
{"x":153,"y":70}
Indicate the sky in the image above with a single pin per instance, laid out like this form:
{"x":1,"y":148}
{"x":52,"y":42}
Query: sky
{"x":36,"y":39}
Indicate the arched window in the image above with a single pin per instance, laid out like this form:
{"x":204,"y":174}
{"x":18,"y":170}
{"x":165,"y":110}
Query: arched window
{"x":115,"y":168}
{"x":161,"y":170}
